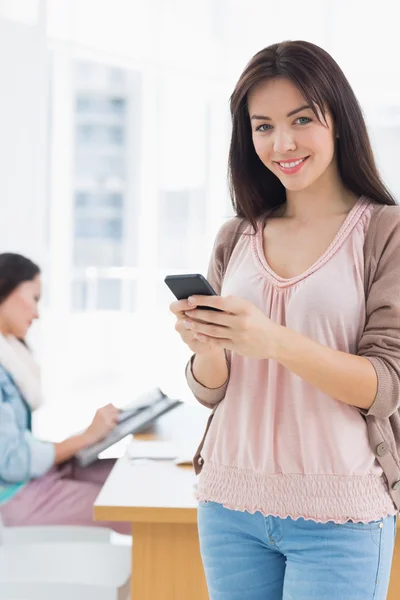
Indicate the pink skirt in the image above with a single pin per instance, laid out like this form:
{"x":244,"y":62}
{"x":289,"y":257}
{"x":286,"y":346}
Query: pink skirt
{"x":64,"y":496}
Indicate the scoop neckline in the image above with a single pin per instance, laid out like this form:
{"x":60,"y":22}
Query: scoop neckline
{"x":346,"y":228}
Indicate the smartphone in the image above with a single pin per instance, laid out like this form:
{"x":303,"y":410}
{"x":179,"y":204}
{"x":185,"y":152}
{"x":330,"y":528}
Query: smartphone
{"x":183,"y":286}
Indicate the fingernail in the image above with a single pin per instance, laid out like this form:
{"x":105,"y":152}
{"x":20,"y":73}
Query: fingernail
{"x":191,"y":301}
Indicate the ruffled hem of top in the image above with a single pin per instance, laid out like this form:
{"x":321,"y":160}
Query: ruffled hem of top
{"x":318,"y":498}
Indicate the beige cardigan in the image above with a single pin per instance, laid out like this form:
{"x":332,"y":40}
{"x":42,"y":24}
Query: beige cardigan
{"x":380,"y":342}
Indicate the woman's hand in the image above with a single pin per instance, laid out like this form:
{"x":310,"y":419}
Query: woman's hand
{"x":203,"y":347}
{"x":104,"y":421}
{"x":241,"y":327}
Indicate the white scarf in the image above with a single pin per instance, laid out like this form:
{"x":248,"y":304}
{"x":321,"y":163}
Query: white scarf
{"x":19,"y":363}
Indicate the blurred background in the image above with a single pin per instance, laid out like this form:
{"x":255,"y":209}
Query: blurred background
{"x":114,"y":133}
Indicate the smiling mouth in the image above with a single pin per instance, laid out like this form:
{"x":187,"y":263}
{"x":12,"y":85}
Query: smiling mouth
{"x":292,"y":166}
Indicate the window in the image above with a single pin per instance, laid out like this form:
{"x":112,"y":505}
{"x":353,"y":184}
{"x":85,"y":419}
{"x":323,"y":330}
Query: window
{"x":87,"y":199}
{"x":101,"y":184}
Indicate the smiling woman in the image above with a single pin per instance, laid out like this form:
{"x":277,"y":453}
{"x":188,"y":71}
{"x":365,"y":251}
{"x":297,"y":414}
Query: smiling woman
{"x":301,"y":364}
{"x":300,"y":105}
{"x":292,"y":141}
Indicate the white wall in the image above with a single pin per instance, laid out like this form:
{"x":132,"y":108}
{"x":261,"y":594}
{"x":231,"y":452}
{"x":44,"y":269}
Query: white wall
{"x":23,"y":143}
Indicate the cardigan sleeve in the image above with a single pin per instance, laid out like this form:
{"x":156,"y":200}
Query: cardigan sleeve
{"x":380,"y":342}
{"x":224,"y":241}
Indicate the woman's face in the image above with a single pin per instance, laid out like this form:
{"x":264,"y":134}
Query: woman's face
{"x":20,"y":309}
{"x":287,"y":136}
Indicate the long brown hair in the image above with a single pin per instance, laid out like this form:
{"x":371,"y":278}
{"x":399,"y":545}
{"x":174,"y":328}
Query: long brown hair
{"x":254,"y":189}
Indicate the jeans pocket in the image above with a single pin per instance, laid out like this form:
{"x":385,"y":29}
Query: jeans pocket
{"x":358,"y":527}
{"x":373,"y":529}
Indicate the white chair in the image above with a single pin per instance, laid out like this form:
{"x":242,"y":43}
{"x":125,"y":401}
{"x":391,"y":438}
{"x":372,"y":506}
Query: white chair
{"x":43,"y":534}
{"x":64,"y":571}
{"x":49,"y":591}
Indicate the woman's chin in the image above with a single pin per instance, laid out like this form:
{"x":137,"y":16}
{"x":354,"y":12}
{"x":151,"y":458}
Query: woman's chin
{"x":21,"y":333}
{"x":295,"y":186}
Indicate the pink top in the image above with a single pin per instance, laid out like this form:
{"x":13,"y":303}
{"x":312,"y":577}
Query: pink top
{"x":308,"y":455}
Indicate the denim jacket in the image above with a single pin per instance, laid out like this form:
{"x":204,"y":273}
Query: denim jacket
{"x":22,"y":456}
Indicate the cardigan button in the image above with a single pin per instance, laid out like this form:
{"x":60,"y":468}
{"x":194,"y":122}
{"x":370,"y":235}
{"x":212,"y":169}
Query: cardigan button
{"x":200,"y":461}
{"x":396,"y":486}
{"x":382,"y":449}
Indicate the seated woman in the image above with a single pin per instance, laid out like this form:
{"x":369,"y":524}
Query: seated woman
{"x":39,"y":484}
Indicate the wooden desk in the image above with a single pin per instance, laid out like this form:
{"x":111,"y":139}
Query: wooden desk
{"x":158,"y":498}
{"x":394,"y":589}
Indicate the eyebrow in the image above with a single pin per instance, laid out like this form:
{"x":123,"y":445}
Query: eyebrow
{"x":290,"y":114}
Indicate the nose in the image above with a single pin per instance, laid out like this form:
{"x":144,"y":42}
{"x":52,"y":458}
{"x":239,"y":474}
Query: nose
{"x":283,"y":142}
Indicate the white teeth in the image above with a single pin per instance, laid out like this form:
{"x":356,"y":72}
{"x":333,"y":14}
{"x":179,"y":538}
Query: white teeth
{"x":291,"y":164}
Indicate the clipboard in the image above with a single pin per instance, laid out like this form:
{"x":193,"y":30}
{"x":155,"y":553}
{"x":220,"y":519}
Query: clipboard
{"x":135,"y":417}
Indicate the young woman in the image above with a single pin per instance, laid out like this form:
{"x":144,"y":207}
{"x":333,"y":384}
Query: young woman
{"x":300,"y":477}
{"x":39,"y":485}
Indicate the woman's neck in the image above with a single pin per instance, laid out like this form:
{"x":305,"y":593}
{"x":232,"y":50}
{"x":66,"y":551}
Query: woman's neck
{"x":327,"y":197}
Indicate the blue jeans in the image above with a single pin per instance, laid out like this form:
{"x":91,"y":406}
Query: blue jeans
{"x":252,"y":557}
